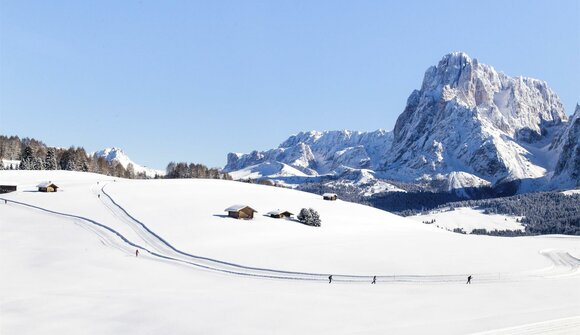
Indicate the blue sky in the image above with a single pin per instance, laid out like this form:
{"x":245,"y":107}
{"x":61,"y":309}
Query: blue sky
{"x":194,"y":80}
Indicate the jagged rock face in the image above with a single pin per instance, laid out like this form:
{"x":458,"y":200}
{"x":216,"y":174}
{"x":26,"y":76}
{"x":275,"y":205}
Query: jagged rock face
{"x":316,"y":153}
{"x":468,"y":125}
{"x":468,"y":117}
{"x":567,"y":171}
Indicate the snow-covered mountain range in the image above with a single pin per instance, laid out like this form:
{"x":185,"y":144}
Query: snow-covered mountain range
{"x":467,"y":126}
{"x":119,"y":156}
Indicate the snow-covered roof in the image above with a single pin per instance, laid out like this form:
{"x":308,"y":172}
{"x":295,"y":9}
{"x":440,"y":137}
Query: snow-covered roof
{"x":46,"y":184}
{"x":236,"y":208}
{"x":330,"y":195}
{"x":278,"y":212}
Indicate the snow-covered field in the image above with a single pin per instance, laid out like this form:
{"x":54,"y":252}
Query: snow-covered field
{"x":469,"y":219}
{"x":200,"y":272}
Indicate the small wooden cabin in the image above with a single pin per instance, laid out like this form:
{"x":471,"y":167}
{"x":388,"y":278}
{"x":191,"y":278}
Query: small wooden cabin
{"x":7,"y":188}
{"x":329,"y":196}
{"x":47,"y":187}
{"x":279,"y":214}
{"x":241,"y":212}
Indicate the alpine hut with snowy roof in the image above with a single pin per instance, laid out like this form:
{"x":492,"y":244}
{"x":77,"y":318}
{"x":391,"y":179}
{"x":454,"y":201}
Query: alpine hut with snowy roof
{"x":279,"y":214}
{"x":47,"y":187}
{"x":329,"y":196}
{"x":241,"y":212}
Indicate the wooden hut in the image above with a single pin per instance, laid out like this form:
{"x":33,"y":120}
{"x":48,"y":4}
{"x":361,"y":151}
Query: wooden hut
{"x":329,"y":196}
{"x":241,"y":212}
{"x":279,"y":214}
{"x":47,"y":187}
{"x":7,"y":188}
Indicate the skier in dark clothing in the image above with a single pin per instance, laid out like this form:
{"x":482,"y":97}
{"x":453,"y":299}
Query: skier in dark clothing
{"x":99,"y":196}
{"x":137,"y":253}
{"x":330,"y":279}
{"x":468,"y":279}
{"x":374,"y":280}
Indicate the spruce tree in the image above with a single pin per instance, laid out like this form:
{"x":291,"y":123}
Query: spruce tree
{"x":26,"y":159}
{"x":50,"y":160}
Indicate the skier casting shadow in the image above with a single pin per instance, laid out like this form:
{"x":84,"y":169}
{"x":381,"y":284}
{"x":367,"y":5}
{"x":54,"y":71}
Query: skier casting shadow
{"x":468,"y":279}
{"x":330,"y":279}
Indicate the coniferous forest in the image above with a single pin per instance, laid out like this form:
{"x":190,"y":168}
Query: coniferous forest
{"x":35,"y":155}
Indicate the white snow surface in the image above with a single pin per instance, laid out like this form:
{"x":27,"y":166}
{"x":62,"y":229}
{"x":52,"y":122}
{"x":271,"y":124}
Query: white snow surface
{"x":8,"y":163}
{"x":62,"y":274}
{"x":469,"y":219}
{"x":119,"y":156}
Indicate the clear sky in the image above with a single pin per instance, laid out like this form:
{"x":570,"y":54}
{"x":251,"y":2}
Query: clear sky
{"x":194,"y":80}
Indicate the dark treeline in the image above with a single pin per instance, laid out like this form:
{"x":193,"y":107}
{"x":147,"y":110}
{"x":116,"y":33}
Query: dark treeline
{"x":191,"y":170}
{"x":543,"y":212}
{"x":35,"y":155}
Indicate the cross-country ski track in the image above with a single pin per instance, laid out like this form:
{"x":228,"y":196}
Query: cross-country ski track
{"x":68,"y":262}
{"x":156,"y":246}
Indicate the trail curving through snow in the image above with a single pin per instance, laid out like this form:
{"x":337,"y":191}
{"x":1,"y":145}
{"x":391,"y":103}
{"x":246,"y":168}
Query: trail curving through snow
{"x":155,"y":246}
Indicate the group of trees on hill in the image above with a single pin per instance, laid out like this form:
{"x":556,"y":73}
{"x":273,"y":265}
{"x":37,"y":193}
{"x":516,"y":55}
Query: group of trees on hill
{"x":542,"y":212}
{"x":192,"y":170}
{"x":35,"y":155}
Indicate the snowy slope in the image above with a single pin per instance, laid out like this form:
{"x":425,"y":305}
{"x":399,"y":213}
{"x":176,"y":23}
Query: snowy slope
{"x":61,"y":274}
{"x":469,"y":219}
{"x":118,"y":155}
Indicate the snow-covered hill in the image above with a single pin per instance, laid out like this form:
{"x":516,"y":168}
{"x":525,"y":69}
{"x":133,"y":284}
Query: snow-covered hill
{"x":68,"y":262}
{"x":119,"y":156}
{"x":468,"y":124}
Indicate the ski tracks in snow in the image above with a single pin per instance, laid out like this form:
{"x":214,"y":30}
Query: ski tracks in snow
{"x":565,"y":326}
{"x":563,"y":263}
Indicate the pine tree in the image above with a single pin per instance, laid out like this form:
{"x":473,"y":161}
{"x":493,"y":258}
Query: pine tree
{"x":309,"y":217}
{"x":26,"y":159}
{"x":37,"y":163}
{"x":50,"y":160}
{"x":315,"y":218}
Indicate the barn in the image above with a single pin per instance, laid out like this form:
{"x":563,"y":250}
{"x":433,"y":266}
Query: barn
{"x":279,"y":214}
{"x":241,"y":212}
{"x":47,"y":187}
{"x":7,"y":188}
{"x":329,"y":196}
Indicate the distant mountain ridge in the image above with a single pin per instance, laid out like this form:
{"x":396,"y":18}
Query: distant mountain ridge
{"x":118,"y":155}
{"x":467,"y":126}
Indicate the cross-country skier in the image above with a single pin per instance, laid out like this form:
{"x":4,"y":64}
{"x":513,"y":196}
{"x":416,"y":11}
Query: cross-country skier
{"x":330,"y":279}
{"x":468,"y":279}
{"x":374,"y":280}
{"x":136,"y":252}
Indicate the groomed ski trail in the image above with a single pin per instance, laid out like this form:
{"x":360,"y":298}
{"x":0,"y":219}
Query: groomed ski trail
{"x":157,"y":247}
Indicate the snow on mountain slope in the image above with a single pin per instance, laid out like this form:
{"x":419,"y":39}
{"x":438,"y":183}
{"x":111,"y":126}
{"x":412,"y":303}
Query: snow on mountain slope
{"x":468,"y":123}
{"x":318,"y":153}
{"x":118,"y":155}
{"x":61,"y":274}
{"x":567,"y":171}
{"x":280,"y":172}
{"x":469,"y":117}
